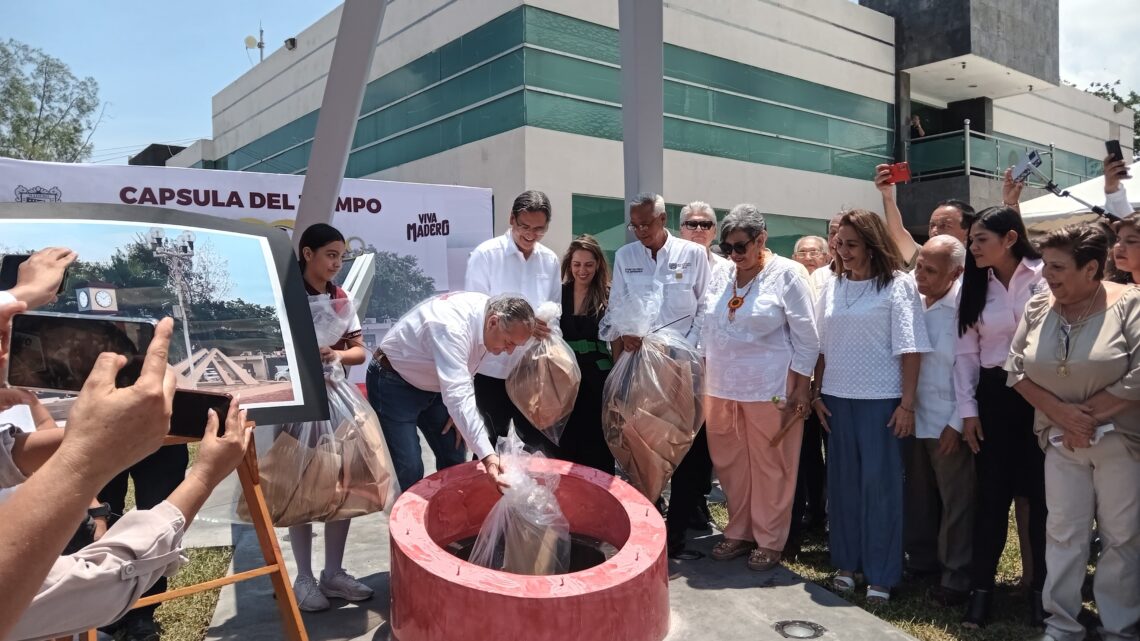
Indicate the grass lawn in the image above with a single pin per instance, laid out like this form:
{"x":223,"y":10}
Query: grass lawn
{"x":911,"y":611}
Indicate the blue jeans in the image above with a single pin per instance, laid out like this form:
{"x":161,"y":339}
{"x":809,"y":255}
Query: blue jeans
{"x":401,"y":408}
{"x":865,"y":489}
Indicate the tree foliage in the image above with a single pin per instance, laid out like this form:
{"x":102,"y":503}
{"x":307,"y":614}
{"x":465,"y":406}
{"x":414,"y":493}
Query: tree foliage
{"x":46,"y":112}
{"x":398,"y":286}
{"x":1113,"y":92}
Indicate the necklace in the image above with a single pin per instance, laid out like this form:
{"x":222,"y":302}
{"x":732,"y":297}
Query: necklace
{"x":1068,"y":333}
{"x":846,"y":285}
{"x":737,"y":300}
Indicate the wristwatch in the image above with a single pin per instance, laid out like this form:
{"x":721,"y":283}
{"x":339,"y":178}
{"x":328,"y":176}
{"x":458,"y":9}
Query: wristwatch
{"x":101,"y":512}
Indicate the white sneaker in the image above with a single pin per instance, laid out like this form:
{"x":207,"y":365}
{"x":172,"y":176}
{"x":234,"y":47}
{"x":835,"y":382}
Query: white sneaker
{"x":343,"y":585}
{"x":308,"y":593}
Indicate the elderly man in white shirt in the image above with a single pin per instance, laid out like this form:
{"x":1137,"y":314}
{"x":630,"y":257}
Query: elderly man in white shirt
{"x":682,"y":269}
{"x":422,"y":376}
{"x":514,"y":263}
{"x":939,"y":468}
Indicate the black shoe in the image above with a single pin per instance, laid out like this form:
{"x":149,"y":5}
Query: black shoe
{"x":701,"y":517}
{"x":978,"y":609}
{"x":916,"y":575}
{"x":1036,"y":610}
{"x":141,"y":629}
{"x":679,"y":552}
{"x":947,"y":597}
{"x":661,"y":506}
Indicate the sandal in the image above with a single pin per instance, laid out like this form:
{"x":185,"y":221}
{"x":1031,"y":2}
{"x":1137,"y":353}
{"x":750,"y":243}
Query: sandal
{"x":731,"y":548}
{"x":762,"y":560}
{"x":843,"y":583}
{"x":876,"y":596}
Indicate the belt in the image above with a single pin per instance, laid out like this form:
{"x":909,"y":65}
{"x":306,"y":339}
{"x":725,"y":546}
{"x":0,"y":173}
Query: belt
{"x":382,"y":361}
{"x":587,"y":346}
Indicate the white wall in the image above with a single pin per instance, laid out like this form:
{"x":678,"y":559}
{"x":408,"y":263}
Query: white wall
{"x":1072,"y":119}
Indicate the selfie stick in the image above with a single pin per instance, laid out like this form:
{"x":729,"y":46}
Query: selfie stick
{"x":1063,"y":193}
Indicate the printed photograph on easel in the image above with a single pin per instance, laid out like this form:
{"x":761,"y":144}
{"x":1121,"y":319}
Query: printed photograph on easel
{"x":221,"y":288}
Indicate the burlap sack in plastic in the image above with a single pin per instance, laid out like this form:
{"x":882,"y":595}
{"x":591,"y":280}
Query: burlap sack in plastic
{"x":525,"y":531}
{"x":652,"y":403}
{"x":544,"y":382}
{"x":326,"y":470}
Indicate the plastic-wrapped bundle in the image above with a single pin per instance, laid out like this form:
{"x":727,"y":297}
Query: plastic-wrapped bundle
{"x":544,"y":382}
{"x":327,"y":470}
{"x":652,"y":403}
{"x":525,"y":532}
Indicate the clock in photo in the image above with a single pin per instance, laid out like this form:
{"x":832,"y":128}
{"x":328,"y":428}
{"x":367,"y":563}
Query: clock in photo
{"x":96,"y":297}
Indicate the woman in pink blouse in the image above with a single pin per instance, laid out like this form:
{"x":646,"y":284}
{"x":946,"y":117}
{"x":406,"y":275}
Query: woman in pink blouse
{"x":1003,"y":271}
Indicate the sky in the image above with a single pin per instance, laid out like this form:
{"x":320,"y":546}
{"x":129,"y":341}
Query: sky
{"x":97,"y":242}
{"x":159,"y":64}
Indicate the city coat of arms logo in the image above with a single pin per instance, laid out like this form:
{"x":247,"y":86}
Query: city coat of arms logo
{"x":37,"y":194}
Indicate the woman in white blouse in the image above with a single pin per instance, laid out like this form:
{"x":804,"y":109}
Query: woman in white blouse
{"x":1003,"y":271}
{"x":872,"y":334}
{"x":760,"y":349}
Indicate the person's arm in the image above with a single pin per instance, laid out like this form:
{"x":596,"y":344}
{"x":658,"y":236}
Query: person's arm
{"x":1124,"y":394}
{"x":478,"y":276}
{"x":355,"y":354}
{"x":450,"y":348}
{"x":39,"y":276}
{"x":902,"y":238}
{"x":109,"y":429}
{"x":1011,"y":191}
{"x":800,"y":317}
{"x":908,"y":341}
{"x":1115,"y":197}
{"x":701,"y":278}
{"x":217,"y":457}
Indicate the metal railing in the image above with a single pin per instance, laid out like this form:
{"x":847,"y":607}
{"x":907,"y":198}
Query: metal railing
{"x":976,"y":153}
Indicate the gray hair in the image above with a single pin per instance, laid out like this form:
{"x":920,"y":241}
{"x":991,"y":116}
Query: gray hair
{"x":649,"y":198}
{"x":956,"y":249}
{"x":803,"y":239}
{"x":746,"y":218}
{"x":697,"y":207}
{"x":511,"y":309}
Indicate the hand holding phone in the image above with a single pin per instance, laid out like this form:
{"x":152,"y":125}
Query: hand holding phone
{"x":1025,"y":166}
{"x":190,"y":412}
{"x":36,"y":278}
{"x":899,"y":173}
{"x":1118,"y":168}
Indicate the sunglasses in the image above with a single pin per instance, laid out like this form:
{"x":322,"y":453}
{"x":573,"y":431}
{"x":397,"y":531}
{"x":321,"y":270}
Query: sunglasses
{"x":735,"y":248}
{"x":698,"y":224}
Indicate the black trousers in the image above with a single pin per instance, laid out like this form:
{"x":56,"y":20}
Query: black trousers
{"x":155,"y":478}
{"x":1010,"y":463}
{"x":499,"y":410}
{"x":811,"y":479}
{"x":691,"y":482}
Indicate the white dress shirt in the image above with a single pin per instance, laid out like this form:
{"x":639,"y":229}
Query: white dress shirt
{"x":682,"y":268}
{"x":820,"y":278}
{"x":747,"y":358}
{"x":437,"y":347}
{"x":986,"y":343}
{"x":863,"y":333}
{"x":935,"y":407}
{"x":497,"y":266}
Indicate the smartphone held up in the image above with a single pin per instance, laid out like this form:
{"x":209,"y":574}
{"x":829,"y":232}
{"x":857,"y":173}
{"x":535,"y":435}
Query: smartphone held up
{"x":1116,"y":154}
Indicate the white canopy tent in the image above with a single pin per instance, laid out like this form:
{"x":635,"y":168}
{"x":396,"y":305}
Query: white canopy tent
{"x":1049,"y":212}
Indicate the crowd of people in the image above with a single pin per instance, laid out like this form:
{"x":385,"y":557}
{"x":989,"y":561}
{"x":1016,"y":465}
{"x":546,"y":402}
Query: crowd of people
{"x":905,"y":394}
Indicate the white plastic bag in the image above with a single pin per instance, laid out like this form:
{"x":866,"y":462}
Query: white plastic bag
{"x":525,"y":531}
{"x":544,"y":381}
{"x":652,"y":403}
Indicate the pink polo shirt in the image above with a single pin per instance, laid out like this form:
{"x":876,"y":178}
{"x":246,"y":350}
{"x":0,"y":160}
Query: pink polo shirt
{"x":986,"y":344}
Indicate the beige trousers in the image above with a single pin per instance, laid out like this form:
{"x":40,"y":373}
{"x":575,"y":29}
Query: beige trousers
{"x":1102,"y":481}
{"x":759,"y":479}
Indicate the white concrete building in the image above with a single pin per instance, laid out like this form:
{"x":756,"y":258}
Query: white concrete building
{"x":787,"y":104}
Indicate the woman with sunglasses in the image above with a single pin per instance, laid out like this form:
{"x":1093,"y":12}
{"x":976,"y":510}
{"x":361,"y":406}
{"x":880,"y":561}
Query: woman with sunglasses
{"x":872,"y":333}
{"x":1003,"y":271}
{"x":760,"y":348}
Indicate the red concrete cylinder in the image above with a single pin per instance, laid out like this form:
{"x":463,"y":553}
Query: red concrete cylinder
{"x":439,"y":597}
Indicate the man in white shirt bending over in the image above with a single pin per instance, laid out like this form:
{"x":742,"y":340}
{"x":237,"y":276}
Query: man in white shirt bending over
{"x":422,"y":376}
{"x":682,"y":268}
{"x":939,"y":468}
{"x":514,"y":263}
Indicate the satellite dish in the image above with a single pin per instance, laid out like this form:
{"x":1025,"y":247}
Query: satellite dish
{"x":250,"y":42}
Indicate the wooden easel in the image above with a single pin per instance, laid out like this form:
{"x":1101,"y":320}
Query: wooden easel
{"x":274,"y":565}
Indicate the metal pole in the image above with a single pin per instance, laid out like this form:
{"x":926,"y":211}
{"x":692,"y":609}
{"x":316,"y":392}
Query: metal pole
{"x":179,"y":283}
{"x":641,"y":31}
{"x":356,"y":38}
{"x":966,"y":151}
{"x":1052,"y":163}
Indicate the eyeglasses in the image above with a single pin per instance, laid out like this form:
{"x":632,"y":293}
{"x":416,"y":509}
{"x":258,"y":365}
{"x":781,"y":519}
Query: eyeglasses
{"x":808,"y":253}
{"x":636,"y":228}
{"x":698,"y":224}
{"x":527,"y":229}
{"x":735,"y":248}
